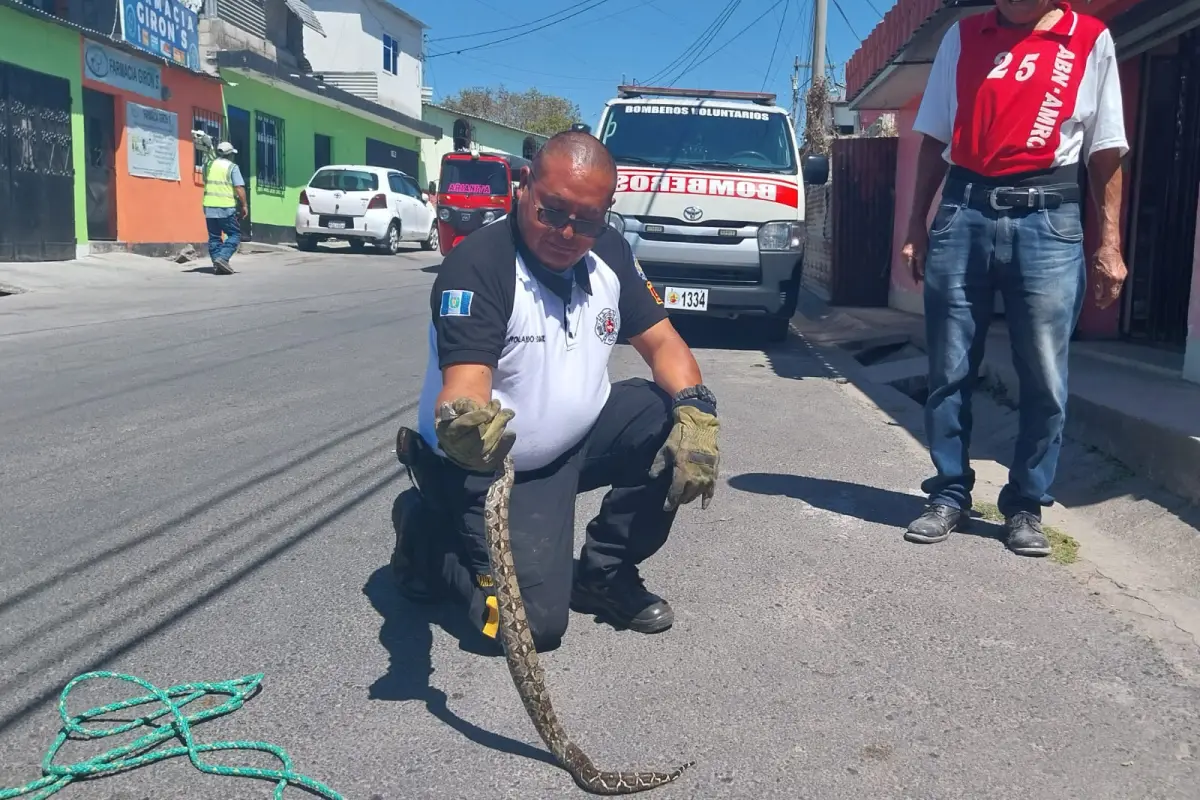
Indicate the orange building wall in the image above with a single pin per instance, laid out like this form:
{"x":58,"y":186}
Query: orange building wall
{"x":152,"y":210}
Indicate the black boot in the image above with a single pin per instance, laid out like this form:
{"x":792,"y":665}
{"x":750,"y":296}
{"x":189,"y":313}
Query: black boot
{"x":935,"y":524}
{"x":412,"y":563}
{"x":622,"y":597}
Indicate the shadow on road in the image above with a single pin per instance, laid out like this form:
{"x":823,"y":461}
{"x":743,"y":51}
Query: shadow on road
{"x":407,"y":635}
{"x":868,"y":503}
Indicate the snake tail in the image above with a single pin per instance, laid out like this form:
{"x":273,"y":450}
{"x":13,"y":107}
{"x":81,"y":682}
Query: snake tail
{"x":526,"y":669}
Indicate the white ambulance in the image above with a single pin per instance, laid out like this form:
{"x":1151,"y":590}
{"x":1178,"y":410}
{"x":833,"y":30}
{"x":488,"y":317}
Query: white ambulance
{"x":710,"y":196}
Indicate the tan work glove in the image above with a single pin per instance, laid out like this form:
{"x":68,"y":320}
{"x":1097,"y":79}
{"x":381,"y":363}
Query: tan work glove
{"x":691,"y":451}
{"x":474,"y":436}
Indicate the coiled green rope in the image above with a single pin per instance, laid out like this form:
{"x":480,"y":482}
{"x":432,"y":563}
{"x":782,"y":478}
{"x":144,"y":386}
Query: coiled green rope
{"x":133,"y":755}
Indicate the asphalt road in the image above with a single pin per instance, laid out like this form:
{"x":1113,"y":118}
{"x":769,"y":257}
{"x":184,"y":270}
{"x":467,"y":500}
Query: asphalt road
{"x":201,"y":490}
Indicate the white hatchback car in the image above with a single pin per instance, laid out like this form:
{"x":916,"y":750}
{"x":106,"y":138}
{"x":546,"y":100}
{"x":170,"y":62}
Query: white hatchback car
{"x":365,"y":205}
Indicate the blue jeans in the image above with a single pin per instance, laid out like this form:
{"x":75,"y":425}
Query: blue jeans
{"x":1035,"y":259}
{"x":229,"y":226}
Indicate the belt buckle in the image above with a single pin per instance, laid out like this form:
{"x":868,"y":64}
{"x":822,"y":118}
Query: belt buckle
{"x":1031,"y":192}
{"x":992,"y":199}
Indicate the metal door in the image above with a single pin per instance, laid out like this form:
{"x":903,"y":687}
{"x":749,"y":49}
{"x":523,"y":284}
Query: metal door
{"x":100,"y":172}
{"x":37,"y":174}
{"x":239,"y":137}
{"x":1164,"y":217}
{"x":382,"y":154}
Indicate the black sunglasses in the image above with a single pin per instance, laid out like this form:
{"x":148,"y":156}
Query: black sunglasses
{"x":559,"y":219}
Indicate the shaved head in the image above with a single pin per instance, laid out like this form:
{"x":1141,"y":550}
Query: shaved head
{"x":581,"y":151}
{"x":565,"y":197}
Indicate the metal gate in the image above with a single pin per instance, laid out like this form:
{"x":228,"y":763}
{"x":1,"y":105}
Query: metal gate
{"x":37,"y":175}
{"x":862,"y":206}
{"x":1168,"y":181}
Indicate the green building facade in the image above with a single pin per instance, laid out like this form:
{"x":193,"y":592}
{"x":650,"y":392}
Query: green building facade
{"x":287,"y":126}
{"x":55,"y":51}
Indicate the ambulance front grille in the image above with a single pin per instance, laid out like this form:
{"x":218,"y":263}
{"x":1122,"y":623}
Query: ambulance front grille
{"x":699,"y":273}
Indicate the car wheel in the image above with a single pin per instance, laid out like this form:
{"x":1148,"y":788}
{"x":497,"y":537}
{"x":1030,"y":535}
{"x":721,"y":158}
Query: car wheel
{"x":390,"y":243}
{"x":306,"y":242}
{"x":357,"y":245}
{"x":431,"y":242}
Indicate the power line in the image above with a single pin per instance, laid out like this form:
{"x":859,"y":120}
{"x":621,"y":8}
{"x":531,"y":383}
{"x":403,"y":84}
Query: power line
{"x":873,"y":8}
{"x":520,"y":24}
{"x":838,"y":6}
{"x":709,"y":40}
{"x":733,"y":38}
{"x":679,"y":59}
{"x":774,"y":47}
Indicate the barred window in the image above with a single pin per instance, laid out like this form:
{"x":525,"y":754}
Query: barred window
{"x":268,"y":152}
{"x":211,"y":123}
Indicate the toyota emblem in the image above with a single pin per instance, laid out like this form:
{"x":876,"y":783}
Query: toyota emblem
{"x":691,"y":213}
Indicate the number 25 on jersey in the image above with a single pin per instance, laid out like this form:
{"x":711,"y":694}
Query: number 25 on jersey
{"x":1024,"y":71}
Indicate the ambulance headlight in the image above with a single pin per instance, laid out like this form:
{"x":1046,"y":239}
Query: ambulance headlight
{"x":444,"y":214}
{"x":617,"y":222}
{"x":488,"y":217}
{"x":781,"y":236}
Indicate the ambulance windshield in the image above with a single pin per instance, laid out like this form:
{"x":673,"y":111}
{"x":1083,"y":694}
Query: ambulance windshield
{"x":699,"y":137}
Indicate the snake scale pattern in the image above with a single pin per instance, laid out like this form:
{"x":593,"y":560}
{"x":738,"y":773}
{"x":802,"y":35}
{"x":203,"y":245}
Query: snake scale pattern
{"x":525,"y":668}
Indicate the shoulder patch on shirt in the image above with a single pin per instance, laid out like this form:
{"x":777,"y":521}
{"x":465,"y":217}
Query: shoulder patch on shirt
{"x":456,"y":303}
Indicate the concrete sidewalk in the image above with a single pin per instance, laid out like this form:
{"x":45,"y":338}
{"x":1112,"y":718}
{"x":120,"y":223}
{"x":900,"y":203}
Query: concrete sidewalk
{"x":1139,"y":541}
{"x":1123,"y":405}
{"x":112,"y":270}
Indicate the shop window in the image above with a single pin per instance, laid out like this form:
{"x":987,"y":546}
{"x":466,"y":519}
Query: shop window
{"x":268,"y":152}
{"x":391,"y":54}
{"x":211,"y":123}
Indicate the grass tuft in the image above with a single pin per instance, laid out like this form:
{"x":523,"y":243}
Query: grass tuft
{"x":1063,"y":548}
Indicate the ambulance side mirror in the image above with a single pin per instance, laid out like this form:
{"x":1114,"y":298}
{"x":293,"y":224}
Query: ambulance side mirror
{"x":815,"y":169}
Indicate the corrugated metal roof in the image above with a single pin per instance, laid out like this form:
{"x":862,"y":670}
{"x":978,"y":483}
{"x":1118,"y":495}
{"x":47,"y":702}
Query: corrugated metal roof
{"x":306,"y":15}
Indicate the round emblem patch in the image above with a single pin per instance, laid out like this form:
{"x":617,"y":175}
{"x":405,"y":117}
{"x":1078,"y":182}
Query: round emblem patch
{"x":608,"y":323}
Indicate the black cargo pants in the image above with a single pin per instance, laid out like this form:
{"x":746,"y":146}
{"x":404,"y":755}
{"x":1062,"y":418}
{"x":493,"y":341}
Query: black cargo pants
{"x":630,"y":527}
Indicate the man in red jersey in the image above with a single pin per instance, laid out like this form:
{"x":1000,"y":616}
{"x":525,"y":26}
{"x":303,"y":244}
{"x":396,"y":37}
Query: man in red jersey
{"x":1020,"y":99}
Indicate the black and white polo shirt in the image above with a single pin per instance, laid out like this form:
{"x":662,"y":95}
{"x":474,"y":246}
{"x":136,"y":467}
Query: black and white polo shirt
{"x":547,"y":336}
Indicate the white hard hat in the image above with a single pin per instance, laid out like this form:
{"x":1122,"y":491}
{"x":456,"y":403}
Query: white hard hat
{"x":225,"y":147}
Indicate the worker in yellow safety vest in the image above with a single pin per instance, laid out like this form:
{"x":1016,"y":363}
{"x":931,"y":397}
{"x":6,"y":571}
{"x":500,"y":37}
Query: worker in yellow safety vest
{"x":224,"y":188}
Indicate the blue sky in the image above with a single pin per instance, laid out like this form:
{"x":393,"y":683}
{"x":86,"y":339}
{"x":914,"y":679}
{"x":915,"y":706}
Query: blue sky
{"x":584,"y":57}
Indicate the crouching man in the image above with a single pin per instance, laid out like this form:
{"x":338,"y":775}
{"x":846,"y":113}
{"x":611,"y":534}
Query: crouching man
{"x":525,"y":315}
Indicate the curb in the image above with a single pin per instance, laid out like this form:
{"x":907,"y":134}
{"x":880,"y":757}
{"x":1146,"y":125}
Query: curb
{"x":1161,"y":454}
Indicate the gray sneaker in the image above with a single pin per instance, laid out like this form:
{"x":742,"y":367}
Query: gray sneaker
{"x":935,"y":524}
{"x":1025,"y":535}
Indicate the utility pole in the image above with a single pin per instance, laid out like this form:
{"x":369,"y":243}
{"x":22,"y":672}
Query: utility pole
{"x":819,"y":27}
{"x":796,"y":91}
{"x":816,"y":131}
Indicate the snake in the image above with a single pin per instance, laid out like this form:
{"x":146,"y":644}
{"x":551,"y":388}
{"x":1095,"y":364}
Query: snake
{"x":525,"y":669}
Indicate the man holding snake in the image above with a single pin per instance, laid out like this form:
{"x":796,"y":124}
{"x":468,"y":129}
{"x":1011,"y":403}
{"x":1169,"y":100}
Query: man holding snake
{"x":526,"y":312}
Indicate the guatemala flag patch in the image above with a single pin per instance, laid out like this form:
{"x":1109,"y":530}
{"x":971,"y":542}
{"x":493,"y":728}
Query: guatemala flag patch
{"x":456,"y":303}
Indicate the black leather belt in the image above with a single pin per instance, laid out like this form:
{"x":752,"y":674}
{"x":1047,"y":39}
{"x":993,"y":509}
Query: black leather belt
{"x":1005,"y":198}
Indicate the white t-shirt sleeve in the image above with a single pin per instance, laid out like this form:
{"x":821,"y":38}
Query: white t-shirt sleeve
{"x":1106,"y":128}
{"x":939,"y":104}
